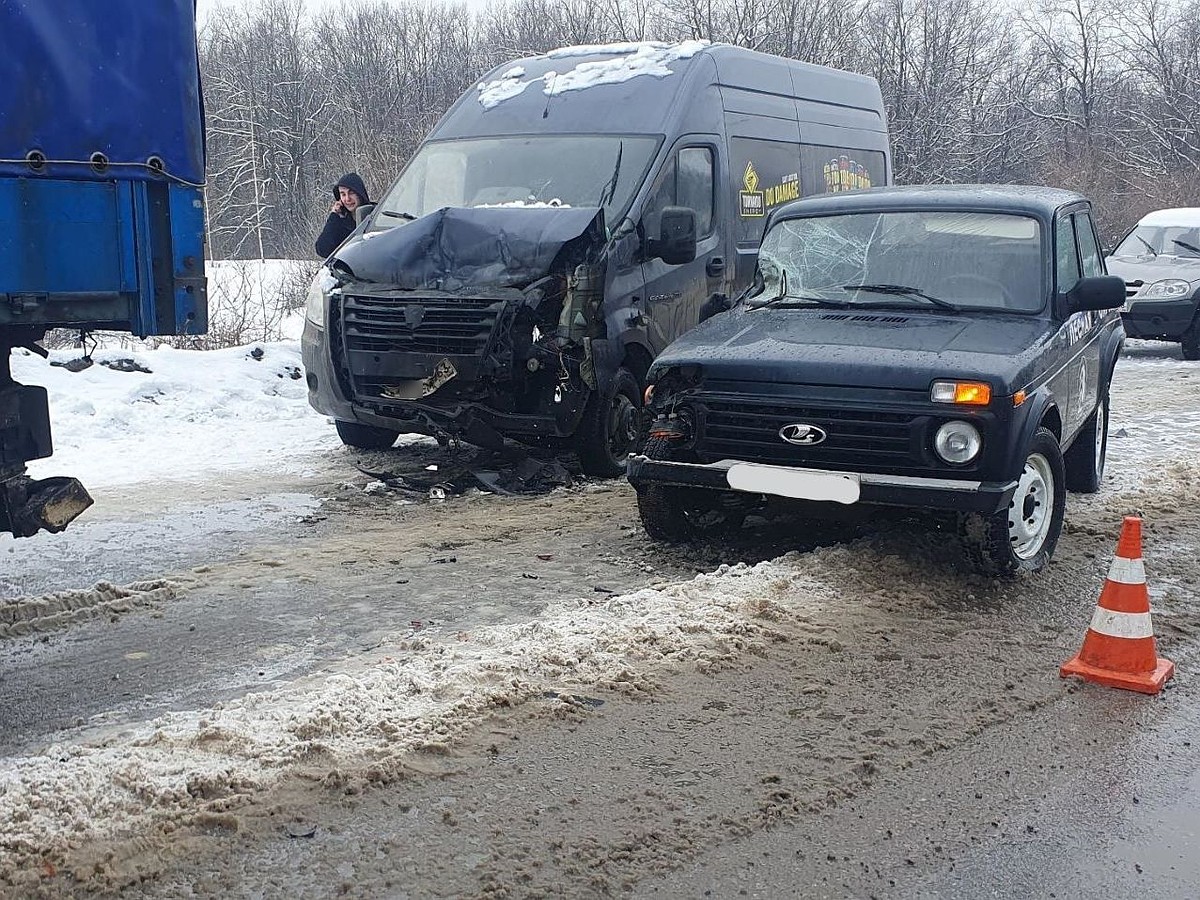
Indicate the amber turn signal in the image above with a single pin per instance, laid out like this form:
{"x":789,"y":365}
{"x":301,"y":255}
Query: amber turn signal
{"x":962,"y":393}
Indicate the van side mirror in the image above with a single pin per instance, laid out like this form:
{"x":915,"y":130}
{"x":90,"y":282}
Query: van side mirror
{"x":1096,"y":292}
{"x":362,"y":211}
{"x":676,"y":243}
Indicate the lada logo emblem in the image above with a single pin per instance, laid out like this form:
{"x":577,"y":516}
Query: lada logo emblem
{"x":802,"y":435}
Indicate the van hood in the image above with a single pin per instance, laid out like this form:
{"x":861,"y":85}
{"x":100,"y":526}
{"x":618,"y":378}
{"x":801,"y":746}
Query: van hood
{"x":456,"y":249}
{"x":1150,"y":270}
{"x":903,"y":349}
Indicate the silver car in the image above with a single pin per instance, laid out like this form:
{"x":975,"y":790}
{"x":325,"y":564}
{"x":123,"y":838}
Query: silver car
{"x":1160,"y":263}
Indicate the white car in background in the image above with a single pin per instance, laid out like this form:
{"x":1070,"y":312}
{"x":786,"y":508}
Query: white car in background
{"x":1160,"y":262}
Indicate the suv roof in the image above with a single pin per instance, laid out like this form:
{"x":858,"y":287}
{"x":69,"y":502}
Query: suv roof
{"x":1042,"y":202}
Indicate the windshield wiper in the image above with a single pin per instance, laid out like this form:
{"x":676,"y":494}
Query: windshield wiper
{"x":1153,"y":252}
{"x":398,"y":215}
{"x":610,"y":189}
{"x":902,"y":290}
{"x":1186,"y":246}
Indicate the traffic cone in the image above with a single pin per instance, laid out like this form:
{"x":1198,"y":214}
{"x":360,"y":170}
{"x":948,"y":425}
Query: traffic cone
{"x":1119,"y":649}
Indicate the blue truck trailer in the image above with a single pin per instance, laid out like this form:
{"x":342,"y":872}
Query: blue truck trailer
{"x":101,"y":204}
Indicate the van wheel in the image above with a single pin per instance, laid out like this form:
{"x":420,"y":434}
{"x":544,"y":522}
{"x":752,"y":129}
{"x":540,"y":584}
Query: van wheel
{"x":366,"y":437}
{"x":1190,"y":342}
{"x":1022,"y":537}
{"x":1084,"y":462}
{"x":609,"y":430}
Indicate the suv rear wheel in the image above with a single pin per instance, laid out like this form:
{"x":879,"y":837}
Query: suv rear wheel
{"x":1084,"y":462}
{"x":1022,"y":537}
{"x":366,"y":437}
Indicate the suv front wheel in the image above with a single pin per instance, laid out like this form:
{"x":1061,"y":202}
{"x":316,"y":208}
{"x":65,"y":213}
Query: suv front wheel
{"x":1022,"y":537}
{"x":1190,"y":342}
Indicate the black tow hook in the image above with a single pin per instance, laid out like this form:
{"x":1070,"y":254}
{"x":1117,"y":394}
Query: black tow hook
{"x":28,"y":506}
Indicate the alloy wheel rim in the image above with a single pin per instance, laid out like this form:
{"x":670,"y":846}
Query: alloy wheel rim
{"x":1032,"y":508}
{"x":622,"y":427}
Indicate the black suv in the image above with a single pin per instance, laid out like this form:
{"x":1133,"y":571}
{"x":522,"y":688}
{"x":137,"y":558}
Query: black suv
{"x":1160,"y":262}
{"x":938,"y":347}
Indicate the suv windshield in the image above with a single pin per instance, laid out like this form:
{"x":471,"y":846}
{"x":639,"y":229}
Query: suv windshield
{"x":556,"y":170}
{"x":1161,"y":240}
{"x":939,"y":260}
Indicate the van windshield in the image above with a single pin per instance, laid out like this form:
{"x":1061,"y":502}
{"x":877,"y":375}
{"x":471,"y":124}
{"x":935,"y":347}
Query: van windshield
{"x":941,"y":260}
{"x":542,"y":170}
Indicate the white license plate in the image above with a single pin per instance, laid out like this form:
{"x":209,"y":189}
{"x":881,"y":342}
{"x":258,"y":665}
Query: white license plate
{"x":799,"y":484}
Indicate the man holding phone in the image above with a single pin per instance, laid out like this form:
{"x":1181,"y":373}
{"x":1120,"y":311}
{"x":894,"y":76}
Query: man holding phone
{"x":348,"y":194}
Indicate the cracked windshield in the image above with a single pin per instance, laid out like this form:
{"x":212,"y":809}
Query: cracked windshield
{"x":558,"y":170}
{"x":941,"y":260}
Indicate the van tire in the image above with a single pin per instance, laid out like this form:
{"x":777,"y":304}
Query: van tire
{"x":1084,"y":462}
{"x":994,"y":543}
{"x":609,"y":430}
{"x":365,"y":437}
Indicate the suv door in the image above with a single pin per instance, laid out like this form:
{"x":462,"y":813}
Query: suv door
{"x":1077,"y":345}
{"x":674,"y":294}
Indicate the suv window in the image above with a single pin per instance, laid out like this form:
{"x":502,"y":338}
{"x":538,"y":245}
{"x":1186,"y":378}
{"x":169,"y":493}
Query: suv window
{"x":1089,"y":247}
{"x":1067,"y":252}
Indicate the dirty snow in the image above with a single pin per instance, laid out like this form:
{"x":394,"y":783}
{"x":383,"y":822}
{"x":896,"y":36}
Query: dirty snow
{"x":425,"y":690}
{"x":49,"y":612}
{"x":629,"y":61}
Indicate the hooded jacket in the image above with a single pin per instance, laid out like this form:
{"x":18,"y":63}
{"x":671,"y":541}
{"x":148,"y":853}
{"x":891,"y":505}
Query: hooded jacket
{"x":339,"y":227}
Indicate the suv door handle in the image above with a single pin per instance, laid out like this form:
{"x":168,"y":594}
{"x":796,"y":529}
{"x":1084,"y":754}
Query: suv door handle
{"x":715,"y":267}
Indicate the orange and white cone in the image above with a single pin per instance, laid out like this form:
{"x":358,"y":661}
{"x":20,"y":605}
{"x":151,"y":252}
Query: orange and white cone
{"x":1119,"y":649}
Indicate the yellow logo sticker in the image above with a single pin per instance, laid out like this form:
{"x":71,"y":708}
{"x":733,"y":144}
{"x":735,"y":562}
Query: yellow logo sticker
{"x":750,"y":179}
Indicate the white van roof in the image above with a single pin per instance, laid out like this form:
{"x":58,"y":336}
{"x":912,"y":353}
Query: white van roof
{"x":1180,"y":217}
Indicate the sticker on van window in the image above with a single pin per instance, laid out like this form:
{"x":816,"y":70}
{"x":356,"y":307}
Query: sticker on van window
{"x":755,"y":203}
{"x":845,"y":174}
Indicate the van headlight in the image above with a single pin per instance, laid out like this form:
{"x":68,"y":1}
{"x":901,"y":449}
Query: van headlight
{"x":1167,"y":289}
{"x":957,"y":442}
{"x":316,"y":304}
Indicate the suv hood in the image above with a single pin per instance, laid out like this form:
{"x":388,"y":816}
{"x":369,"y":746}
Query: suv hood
{"x":1154,"y":269}
{"x":455,"y":249}
{"x":902,"y":349}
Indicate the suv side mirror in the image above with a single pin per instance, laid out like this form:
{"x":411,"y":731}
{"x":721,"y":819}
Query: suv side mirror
{"x":1096,"y":292}
{"x":716,"y":303}
{"x":361,"y":212}
{"x":676,"y":244}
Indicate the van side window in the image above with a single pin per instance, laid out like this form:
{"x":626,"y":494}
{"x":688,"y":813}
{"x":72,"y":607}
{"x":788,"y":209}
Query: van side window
{"x":1067,"y":254}
{"x":694,"y":185}
{"x":687,"y":180}
{"x":1089,"y":249}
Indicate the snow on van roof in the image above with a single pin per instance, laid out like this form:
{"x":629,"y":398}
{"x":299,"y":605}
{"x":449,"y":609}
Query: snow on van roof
{"x":627,"y":61}
{"x":1179,"y":217}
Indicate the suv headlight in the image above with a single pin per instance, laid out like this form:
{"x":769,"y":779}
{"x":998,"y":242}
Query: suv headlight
{"x":957,"y":442}
{"x":1167,"y":289}
{"x":317,"y":302}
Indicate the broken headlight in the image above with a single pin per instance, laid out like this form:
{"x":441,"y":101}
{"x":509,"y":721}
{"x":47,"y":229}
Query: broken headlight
{"x":316,"y":305}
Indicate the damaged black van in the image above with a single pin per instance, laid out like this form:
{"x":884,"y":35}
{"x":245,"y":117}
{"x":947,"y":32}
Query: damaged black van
{"x":565,"y":221}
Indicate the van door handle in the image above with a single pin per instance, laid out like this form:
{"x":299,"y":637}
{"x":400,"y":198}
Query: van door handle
{"x":715,"y":267}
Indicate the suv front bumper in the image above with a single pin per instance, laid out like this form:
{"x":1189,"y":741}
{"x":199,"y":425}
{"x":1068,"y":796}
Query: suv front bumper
{"x":885,"y":490}
{"x":1158,"y":318}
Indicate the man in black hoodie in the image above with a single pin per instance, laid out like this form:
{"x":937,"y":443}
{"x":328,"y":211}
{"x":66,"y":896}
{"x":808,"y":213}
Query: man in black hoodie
{"x":348,"y":194}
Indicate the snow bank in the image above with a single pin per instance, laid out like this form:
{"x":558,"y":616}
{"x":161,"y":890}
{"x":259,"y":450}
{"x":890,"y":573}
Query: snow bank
{"x":192,"y":414}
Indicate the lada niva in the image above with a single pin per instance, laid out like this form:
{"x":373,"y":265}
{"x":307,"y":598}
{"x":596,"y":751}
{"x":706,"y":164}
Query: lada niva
{"x":946,"y":348}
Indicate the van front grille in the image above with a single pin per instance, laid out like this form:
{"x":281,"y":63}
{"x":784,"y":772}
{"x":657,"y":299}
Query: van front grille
{"x":450,"y":326}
